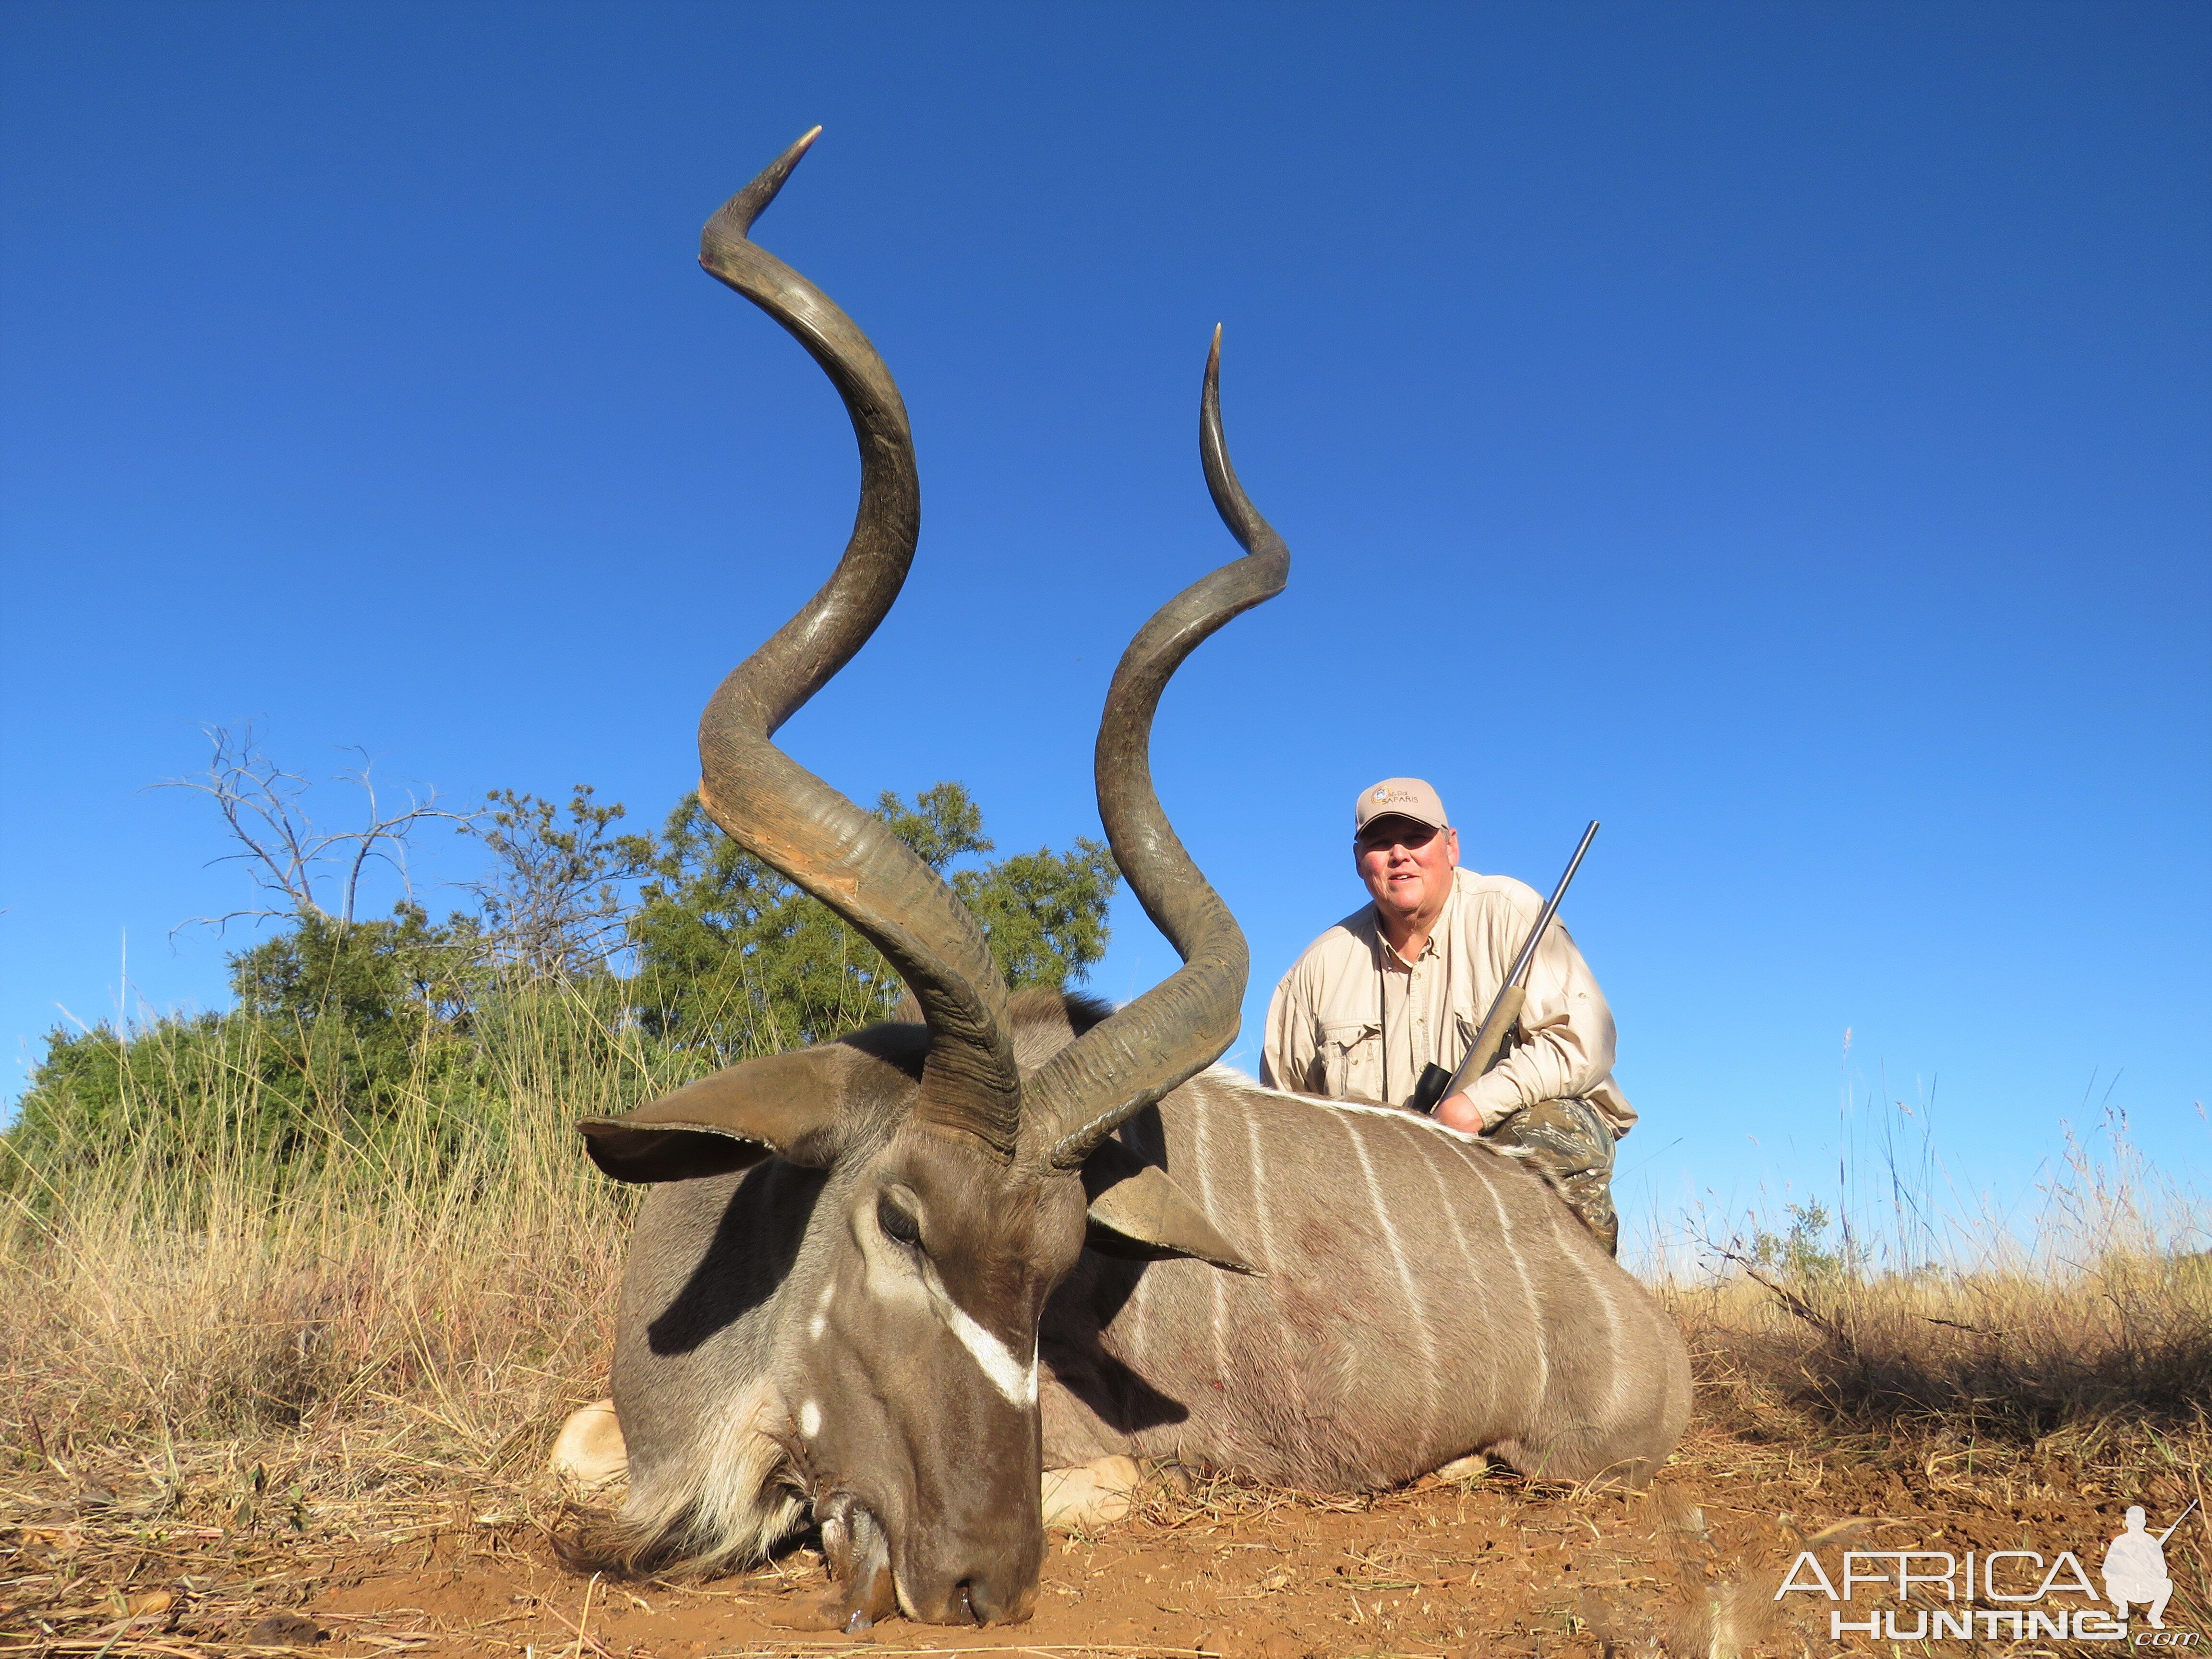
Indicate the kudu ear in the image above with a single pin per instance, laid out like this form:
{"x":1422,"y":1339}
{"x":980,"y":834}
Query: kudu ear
{"x":791,"y":1106}
{"x":1136,"y":1210}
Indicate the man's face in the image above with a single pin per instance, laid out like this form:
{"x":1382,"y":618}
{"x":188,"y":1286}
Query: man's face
{"x":1407,"y":867}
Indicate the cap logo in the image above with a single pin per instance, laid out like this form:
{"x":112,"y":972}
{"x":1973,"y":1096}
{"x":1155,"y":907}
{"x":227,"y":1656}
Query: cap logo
{"x":1382,"y":793}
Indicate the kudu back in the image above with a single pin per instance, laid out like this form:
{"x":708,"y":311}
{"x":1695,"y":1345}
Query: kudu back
{"x":882,"y":1281}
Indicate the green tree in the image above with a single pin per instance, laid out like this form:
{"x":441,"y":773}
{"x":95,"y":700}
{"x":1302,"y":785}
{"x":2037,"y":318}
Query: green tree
{"x":348,"y":1019}
{"x":336,"y":1014}
{"x":83,"y":1100}
{"x":553,"y":904}
{"x":735,"y":959}
{"x":1044,"y":913}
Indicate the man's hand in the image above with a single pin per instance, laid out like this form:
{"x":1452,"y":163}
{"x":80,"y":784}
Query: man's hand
{"x":1458,"y":1112}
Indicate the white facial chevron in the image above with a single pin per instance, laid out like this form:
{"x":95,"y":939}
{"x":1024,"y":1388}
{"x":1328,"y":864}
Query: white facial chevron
{"x":895,"y":1276}
{"x":1017,"y":1383}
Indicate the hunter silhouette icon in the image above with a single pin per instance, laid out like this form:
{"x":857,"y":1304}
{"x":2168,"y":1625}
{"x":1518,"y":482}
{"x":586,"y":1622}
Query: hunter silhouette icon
{"x":2135,"y":1568}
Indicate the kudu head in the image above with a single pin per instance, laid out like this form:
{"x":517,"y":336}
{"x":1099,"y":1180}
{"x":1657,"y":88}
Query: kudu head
{"x":956,"y":1187}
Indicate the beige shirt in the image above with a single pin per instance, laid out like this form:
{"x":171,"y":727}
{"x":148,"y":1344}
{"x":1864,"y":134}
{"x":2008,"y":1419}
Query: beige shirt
{"x":1352,"y":1019}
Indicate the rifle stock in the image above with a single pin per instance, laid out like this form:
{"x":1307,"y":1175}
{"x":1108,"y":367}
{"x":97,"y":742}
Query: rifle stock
{"x":1504,"y":1014}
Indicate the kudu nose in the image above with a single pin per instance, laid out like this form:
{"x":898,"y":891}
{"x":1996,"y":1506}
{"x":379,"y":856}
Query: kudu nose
{"x":1002,"y":1602}
{"x":989,"y":1597}
{"x":978,"y":1565}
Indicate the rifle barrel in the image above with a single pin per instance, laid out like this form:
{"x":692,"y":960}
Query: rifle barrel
{"x":2177,"y":1520}
{"x":1492,"y":1037}
{"x":1550,"y":908}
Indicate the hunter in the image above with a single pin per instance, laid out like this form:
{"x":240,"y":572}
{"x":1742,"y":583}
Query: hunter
{"x":1403,"y":983}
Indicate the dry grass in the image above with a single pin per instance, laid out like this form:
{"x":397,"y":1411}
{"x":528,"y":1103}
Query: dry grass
{"x":152,"y":1305}
{"x":217,"y":1381}
{"x":228,"y":1382}
{"x":405,"y":1329}
{"x":2002,"y":1356}
{"x":2090,"y":1316}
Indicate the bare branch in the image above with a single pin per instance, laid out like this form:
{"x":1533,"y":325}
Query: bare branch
{"x":392,"y":830}
{"x":1781,"y":1293}
{"x":287,"y":854}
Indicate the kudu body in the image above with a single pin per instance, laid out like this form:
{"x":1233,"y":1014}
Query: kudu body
{"x":891,"y":1278}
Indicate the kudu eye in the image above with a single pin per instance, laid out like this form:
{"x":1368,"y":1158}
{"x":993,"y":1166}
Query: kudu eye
{"x":898,"y":1226}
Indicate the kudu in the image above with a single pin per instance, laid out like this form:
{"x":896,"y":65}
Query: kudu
{"x":892,"y":1277}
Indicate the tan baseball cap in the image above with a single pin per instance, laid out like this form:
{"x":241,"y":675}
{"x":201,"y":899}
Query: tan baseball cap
{"x":1399,"y":797}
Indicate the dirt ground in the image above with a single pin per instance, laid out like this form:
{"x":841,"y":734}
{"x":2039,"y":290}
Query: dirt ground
{"x":181,"y":1559}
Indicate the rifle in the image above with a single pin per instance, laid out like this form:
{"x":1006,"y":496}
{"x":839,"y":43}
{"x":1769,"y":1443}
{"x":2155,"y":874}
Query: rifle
{"x":2177,"y":1520}
{"x":1436,"y":1085}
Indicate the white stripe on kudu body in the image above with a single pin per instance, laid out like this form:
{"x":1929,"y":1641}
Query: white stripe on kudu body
{"x":1418,"y":1314}
{"x":1262,"y":1220}
{"x":1528,"y":1287}
{"x":1468,"y":1267}
{"x":1534,"y":1345}
{"x":1220,"y":1320}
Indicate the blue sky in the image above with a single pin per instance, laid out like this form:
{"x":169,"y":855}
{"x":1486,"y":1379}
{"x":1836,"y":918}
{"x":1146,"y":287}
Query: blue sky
{"x":1780,"y":432}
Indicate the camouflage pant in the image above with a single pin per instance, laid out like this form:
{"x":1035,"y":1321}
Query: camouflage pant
{"x":1570,"y":1142}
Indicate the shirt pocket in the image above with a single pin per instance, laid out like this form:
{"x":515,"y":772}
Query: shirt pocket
{"x":1463,"y":1027}
{"x":1351,"y":1060}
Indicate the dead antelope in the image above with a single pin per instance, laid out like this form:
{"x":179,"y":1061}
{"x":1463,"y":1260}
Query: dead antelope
{"x":890,"y":1280}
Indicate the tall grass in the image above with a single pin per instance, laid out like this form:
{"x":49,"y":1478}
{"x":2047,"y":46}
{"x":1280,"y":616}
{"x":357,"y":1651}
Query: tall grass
{"x":2077,"y":1315}
{"x":446,"y":1271}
